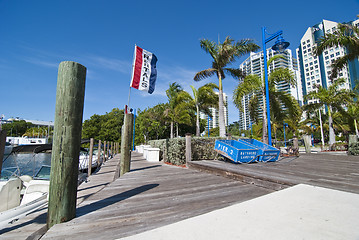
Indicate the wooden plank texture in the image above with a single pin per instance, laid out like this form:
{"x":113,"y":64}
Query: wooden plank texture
{"x":149,"y":196}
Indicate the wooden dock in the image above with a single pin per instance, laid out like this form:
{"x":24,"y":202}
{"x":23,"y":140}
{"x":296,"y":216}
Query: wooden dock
{"x":149,"y":196}
{"x":152,"y":195}
{"x":340,"y":172}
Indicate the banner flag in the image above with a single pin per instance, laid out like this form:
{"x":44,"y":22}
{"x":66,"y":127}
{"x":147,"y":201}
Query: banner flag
{"x":144,"y":71}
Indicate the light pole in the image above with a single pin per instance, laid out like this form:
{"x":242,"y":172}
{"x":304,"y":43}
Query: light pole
{"x":285,"y":140}
{"x":279,"y":45}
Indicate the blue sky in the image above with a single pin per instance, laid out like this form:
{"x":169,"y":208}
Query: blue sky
{"x":35,"y":36}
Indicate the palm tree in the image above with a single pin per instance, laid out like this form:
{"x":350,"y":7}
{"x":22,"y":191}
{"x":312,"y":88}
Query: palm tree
{"x":224,"y":54}
{"x":179,"y":106}
{"x":253,"y":84}
{"x":334,"y":98}
{"x":204,"y":98}
{"x":345,"y":36}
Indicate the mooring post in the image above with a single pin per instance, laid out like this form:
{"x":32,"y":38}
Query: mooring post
{"x":66,"y":144}
{"x":108,"y":150}
{"x":98,"y":153}
{"x":2,"y":147}
{"x":188,"y":148}
{"x":112,"y":153}
{"x":126,"y":141}
{"x":104,"y":151}
{"x":90,"y":158}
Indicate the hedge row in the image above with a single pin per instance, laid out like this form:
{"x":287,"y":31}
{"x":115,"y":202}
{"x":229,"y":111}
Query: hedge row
{"x":174,"y":150}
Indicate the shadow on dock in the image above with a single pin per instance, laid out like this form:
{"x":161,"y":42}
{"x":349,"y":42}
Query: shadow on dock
{"x":113,"y":199}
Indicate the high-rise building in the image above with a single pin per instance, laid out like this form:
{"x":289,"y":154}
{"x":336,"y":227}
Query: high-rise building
{"x":254,"y":64}
{"x":214,"y":120}
{"x":315,"y":70}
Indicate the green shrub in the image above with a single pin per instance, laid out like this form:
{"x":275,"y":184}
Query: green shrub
{"x":353,"y":149}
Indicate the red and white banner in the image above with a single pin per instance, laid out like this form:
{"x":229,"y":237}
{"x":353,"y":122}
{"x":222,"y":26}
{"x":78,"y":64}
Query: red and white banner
{"x":144,"y":72}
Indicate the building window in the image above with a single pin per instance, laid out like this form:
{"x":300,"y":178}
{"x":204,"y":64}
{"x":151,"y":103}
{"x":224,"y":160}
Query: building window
{"x":308,"y":41}
{"x":326,"y":52}
{"x":305,"y":51}
{"x":337,"y":53}
{"x":306,"y":65}
{"x":311,"y":63}
{"x":316,"y":66}
{"x":326,"y":58}
{"x":331,"y":55}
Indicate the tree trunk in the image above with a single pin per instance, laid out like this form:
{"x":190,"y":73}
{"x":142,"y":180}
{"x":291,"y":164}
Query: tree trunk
{"x":331,"y":129}
{"x":356,"y":127}
{"x":197,"y":122}
{"x":221,"y":123}
{"x":331,"y":132}
{"x":177,"y":129}
{"x":171,"y":129}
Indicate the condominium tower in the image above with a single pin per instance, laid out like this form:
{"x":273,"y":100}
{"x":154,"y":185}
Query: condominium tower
{"x":315,"y":70}
{"x":254,"y":64}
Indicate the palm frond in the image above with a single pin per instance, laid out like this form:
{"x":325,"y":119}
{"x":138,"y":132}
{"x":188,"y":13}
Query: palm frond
{"x":204,"y":74}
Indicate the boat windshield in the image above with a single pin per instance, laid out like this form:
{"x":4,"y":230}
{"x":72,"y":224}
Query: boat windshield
{"x":43,"y":173}
{"x":9,"y":172}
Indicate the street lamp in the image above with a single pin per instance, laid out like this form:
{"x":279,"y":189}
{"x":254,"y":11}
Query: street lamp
{"x":280,"y":45}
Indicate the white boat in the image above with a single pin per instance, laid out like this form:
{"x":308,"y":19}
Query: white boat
{"x":22,"y":195}
{"x":84,"y":160}
{"x":8,"y":148}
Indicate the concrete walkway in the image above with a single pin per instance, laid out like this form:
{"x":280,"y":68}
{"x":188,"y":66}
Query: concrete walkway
{"x":299,"y":212}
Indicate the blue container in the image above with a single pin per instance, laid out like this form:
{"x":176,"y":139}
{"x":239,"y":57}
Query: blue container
{"x":267,"y":153}
{"x":241,"y":152}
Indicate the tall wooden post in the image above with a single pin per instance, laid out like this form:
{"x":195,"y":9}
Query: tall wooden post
{"x":66,"y":142}
{"x":188,"y":148}
{"x":98,"y":153}
{"x":89,"y":169}
{"x":112,"y":153}
{"x":104,"y":151}
{"x":108,"y":150}
{"x":2,"y":147}
{"x":126,"y":142}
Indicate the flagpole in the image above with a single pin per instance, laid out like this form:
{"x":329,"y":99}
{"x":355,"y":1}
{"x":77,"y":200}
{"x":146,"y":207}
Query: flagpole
{"x":133,"y":65}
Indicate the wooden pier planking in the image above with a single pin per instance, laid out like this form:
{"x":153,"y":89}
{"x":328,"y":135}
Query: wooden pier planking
{"x":149,"y":196}
{"x":338,"y":172}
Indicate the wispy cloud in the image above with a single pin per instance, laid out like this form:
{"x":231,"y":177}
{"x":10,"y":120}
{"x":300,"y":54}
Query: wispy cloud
{"x":40,"y":62}
{"x":111,"y":63}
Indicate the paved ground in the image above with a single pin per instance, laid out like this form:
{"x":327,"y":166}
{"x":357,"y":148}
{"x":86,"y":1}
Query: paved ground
{"x":299,"y":212}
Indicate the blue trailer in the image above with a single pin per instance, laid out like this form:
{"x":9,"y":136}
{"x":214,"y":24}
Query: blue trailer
{"x":246,"y":150}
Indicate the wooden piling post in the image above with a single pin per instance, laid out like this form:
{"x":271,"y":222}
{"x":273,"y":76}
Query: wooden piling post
{"x":104,"y":151}
{"x":98,"y":153}
{"x":66,"y":144}
{"x":188,"y":148}
{"x":90,"y":158}
{"x":126,"y":143}
{"x":2,"y":147}
{"x":112,"y":153}
{"x":108,"y":150}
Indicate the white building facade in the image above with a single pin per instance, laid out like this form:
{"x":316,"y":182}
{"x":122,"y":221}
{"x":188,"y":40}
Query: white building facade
{"x":254,"y":64}
{"x":214,"y":120}
{"x":315,"y":70}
